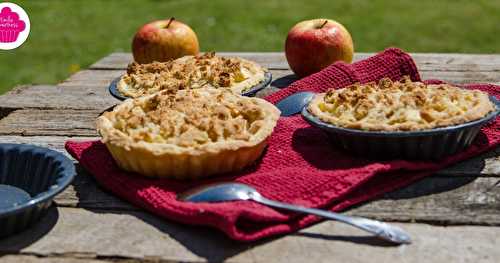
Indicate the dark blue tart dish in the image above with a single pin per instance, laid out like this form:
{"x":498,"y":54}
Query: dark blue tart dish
{"x":30,"y":177}
{"x":268,"y":77}
{"x":430,"y":144}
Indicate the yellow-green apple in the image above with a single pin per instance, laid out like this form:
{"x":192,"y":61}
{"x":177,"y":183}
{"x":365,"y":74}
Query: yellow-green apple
{"x":163,"y":40}
{"x":314,"y":44}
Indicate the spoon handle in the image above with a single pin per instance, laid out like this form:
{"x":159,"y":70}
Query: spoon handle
{"x":380,"y":229}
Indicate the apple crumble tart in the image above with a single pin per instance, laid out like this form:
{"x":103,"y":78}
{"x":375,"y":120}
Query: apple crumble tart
{"x":188,"y":134}
{"x":207,"y":70}
{"x":400,"y":106}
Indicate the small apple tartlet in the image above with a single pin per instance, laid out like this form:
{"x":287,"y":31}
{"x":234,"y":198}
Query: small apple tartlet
{"x":191,"y":72}
{"x":188,"y":134}
{"x":400,"y":106}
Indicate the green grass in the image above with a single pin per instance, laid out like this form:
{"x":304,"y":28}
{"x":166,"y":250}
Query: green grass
{"x":69,"y":35}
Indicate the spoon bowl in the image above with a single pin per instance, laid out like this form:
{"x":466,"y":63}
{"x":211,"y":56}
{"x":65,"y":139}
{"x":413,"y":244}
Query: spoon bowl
{"x":214,"y":193}
{"x":294,"y":103}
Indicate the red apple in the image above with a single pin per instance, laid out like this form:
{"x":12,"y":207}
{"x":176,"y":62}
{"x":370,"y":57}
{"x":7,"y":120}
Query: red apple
{"x":314,"y":44}
{"x":163,"y":40}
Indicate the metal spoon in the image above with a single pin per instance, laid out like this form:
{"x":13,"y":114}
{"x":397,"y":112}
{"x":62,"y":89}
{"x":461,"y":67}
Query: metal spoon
{"x":294,"y":103}
{"x":235,"y":191}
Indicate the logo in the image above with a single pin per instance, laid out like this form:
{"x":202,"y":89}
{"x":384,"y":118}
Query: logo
{"x":14,"y":26}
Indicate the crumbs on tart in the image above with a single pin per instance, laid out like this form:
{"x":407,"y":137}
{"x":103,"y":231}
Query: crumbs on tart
{"x":191,"y":118}
{"x":191,"y":72}
{"x":188,"y":134}
{"x":400,"y":105}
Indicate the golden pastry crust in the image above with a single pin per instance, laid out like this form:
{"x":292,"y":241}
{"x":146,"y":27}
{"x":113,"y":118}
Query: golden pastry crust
{"x":192,"y":72}
{"x":189,"y":133}
{"x":400,"y":106}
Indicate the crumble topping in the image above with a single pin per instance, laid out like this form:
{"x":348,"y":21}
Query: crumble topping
{"x":190,"y":118}
{"x":400,"y":105}
{"x":207,"y":70}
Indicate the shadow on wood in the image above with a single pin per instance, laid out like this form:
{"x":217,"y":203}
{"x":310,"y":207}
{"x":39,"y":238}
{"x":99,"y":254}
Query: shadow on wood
{"x":360,"y":240}
{"x":202,"y":241}
{"x":15,"y":243}
{"x":427,"y":186}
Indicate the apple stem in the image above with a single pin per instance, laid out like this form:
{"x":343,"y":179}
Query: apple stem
{"x":324,"y":23}
{"x":170,"y":21}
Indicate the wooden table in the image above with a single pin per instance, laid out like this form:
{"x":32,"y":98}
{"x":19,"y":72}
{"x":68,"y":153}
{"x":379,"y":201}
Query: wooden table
{"x":453,"y":215}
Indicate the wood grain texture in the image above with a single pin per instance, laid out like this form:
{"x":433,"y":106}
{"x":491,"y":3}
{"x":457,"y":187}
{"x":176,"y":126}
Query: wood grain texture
{"x":63,"y":122}
{"x":58,"y":97}
{"x":92,"y":78}
{"x":102,"y":78}
{"x":88,"y":89}
{"x":52,"y":142}
{"x":277,"y":60}
{"x":435,"y":200}
{"x":439,"y":200}
{"x":93,"y":234}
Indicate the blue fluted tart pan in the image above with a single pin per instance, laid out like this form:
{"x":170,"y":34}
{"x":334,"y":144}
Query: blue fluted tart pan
{"x":30,"y":177}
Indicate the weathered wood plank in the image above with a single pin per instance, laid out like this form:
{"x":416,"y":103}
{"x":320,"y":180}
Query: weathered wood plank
{"x":100,"y":79}
{"x":271,"y":60}
{"x":439,"y":200}
{"x":88,"y":89}
{"x":82,"y":91}
{"x":89,"y":234}
{"x":63,"y":122}
{"x":277,"y":60}
{"x":436,"y":200}
{"x":51,"y":142}
{"x":91,"y":78}
{"x":459,"y":77}
{"x":47,"y":96}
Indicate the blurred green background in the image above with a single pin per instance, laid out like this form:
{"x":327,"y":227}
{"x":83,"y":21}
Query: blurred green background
{"x":69,"y":35}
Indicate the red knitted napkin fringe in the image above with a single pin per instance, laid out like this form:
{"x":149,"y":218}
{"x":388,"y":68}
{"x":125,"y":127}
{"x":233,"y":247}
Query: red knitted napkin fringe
{"x":299,"y":166}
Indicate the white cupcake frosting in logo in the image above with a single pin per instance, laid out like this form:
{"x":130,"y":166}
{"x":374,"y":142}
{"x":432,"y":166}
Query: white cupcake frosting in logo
{"x":14,"y":26}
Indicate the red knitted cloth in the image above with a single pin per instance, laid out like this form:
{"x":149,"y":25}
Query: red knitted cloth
{"x":299,"y":166}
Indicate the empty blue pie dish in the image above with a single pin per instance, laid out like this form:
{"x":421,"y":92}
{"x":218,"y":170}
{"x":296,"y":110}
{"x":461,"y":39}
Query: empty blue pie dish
{"x":429,"y":144}
{"x":30,"y":177}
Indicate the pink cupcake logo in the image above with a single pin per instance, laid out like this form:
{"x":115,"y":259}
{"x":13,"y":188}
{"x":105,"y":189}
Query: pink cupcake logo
{"x":10,"y":25}
{"x":14,"y":26}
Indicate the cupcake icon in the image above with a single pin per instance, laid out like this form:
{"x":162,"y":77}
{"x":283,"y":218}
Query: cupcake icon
{"x":10,"y":25}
